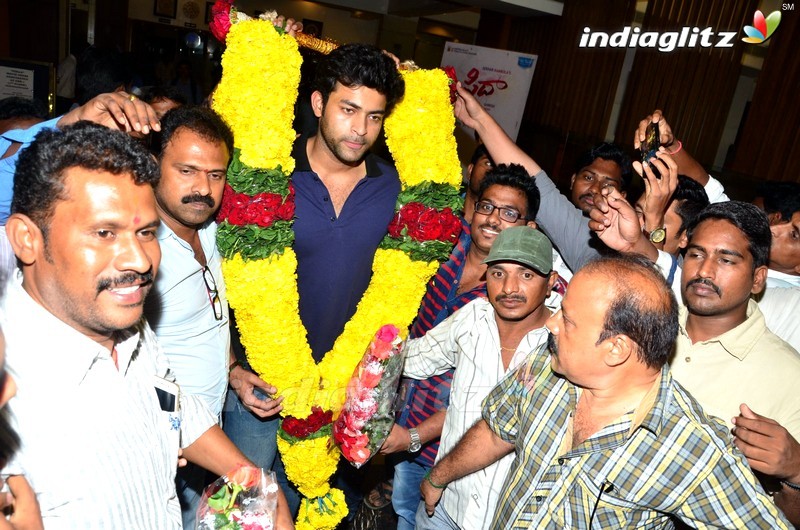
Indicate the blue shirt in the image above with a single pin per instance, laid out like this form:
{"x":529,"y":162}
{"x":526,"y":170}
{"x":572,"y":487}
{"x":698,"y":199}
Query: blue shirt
{"x":180,"y":311}
{"x":335,"y":254}
{"x":8,"y":166}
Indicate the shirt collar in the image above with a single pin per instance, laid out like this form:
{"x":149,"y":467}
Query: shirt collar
{"x":72,"y":354}
{"x":301,"y":162}
{"x":164,"y":232}
{"x":740,"y":340}
{"x":651,"y":411}
{"x":781,"y":279}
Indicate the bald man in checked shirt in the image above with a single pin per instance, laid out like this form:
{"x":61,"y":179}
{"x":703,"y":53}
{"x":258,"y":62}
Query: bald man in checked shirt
{"x":604,"y":438}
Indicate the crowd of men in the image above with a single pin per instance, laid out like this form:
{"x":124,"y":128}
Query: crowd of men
{"x":577,"y":362}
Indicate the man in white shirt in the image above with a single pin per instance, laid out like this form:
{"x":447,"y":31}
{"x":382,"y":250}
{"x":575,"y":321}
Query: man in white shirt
{"x":483,"y":341}
{"x":784,"y":255}
{"x":188,"y":309}
{"x":98,"y":444}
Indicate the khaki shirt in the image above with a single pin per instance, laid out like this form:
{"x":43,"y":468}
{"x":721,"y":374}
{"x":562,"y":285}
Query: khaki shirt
{"x":747,"y":364}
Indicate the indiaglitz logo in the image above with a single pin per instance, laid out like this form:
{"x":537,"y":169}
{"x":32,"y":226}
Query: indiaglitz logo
{"x":762,"y":28}
{"x":667,"y":41}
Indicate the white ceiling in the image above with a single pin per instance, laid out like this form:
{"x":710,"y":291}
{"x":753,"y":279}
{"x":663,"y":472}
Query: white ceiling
{"x":409,"y":8}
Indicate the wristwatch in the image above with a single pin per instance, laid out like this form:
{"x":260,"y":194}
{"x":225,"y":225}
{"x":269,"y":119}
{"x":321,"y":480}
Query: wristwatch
{"x":415,"y":444}
{"x":658,"y":235}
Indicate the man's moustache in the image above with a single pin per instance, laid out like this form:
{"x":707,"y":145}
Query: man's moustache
{"x":205,"y":199}
{"x":501,"y":297}
{"x":705,"y":282}
{"x":124,"y":280}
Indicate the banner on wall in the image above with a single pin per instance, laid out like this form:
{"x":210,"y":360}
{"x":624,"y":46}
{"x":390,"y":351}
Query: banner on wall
{"x":499,"y":79}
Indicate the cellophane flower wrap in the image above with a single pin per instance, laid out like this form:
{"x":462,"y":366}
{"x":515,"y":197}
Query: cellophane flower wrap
{"x":245,"y":499}
{"x":368,"y":413}
{"x":256,"y":96}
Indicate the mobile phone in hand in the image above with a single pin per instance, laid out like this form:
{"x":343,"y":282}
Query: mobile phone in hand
{"x":649,"y":148}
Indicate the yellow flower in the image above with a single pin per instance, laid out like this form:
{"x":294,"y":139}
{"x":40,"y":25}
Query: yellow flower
{"x":261,"y":73}
{"x":392,"y":297}
{"x":264,"y":295}
{"x":419,"y":132}
{"x":322,"y":513}
{"x":309,"y":463}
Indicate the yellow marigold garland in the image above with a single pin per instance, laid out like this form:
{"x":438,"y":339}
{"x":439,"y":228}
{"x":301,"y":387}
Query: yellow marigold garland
{"x":257,"y":93}
{"x":270,"y":327}
{"x":393,"y":296}
{"x":256,"y":97}
{"x":309,"y":463}
{"x":323,"y":513}
{"x":419,"y":132}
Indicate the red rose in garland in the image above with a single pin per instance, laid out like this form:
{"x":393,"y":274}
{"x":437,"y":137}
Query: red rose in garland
{"x":451,"y":225}
{"x":220,"y":19}
{"x":429,"y":227}
{"x":285,"y":211}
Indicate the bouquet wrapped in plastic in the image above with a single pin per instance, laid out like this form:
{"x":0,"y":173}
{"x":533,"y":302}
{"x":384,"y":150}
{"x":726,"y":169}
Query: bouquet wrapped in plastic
{"x":368,"y":413}
{"x":245,"y":499}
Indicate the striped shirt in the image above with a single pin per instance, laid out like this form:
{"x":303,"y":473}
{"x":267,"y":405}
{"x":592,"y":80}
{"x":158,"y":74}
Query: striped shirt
{"x":665,"y":458}
{"x":96,"y":447}
{"x":421,"y":399}
{"x":468,"y":341}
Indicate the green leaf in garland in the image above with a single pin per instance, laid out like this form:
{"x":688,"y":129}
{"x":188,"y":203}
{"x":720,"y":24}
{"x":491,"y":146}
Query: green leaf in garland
{"x":245,"y":179}
{"x":325,"y":430}
{"x":433,"y":195}
{"x":419,"y":251}
{"x":254,"y":242}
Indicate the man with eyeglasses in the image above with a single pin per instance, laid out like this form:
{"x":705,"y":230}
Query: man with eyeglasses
{"x":507,"y":197}
{"x":187,"y":309}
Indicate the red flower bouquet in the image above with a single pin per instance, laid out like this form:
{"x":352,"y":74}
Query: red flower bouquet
{"x":245,"y":499}
{"x":368,"y":413}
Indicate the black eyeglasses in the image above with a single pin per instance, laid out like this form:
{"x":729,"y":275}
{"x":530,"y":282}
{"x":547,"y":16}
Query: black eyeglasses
{"x":508,"y":215}
{"x":213,"y":294}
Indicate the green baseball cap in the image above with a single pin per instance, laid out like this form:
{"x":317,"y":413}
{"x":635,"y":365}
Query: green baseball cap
{"x":525,"y":245}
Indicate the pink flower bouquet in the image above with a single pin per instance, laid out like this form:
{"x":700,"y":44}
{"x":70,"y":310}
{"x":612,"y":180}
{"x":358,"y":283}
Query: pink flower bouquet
{"x":245,"y":499}
{"x":368,"y":413}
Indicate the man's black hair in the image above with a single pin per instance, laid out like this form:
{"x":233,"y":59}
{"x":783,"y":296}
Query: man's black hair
{"x":691,"y":198}
{"x":200,"y":120}
{"x":480,"y":151}
{"x":41,"y":168}
{"x":751,"y":221}
{"x":517,"y":177}
{"x":780,"y":197}
{"x":17,"y":107}
{"x":354,"y":65}
{"x":612,"y":153}
{"x":648,"y":316}
{"x":99,"y":71}
{"x":154,"y":93}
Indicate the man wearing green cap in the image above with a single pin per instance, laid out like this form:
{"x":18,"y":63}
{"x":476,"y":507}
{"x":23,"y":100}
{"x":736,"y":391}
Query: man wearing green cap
{"x":483,"y":341}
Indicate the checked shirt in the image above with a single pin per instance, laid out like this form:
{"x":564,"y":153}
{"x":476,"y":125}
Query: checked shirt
{"x":665,"y":458}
